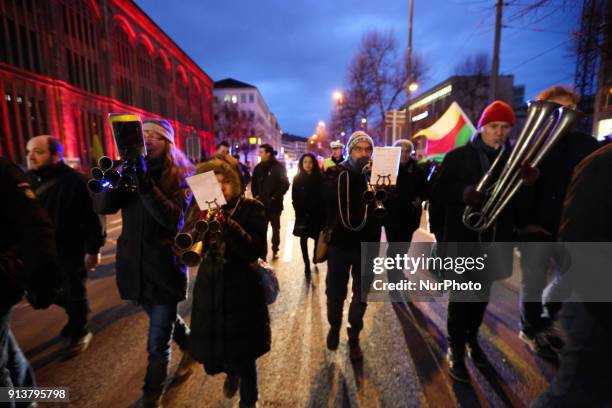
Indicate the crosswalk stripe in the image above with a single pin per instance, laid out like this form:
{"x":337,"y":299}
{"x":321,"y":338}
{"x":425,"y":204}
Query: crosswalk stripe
{"x":288,"y":247}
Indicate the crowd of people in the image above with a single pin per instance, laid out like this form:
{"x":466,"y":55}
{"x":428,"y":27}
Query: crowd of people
{"x":56,"y":227}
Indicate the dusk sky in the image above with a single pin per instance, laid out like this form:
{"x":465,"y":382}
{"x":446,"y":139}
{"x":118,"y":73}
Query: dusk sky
{"x":297,"y":52}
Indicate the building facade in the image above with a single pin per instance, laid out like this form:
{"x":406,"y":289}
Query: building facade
{"x":293,"y":147}
{"x":242,"y":117}
{"x":66,"y":64}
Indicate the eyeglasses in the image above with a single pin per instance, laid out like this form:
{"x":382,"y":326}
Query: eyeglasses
{"x":154,"y":138}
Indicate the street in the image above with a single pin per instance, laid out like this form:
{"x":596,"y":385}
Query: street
{"x":404,"y":348}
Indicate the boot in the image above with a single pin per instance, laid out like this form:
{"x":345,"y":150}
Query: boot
{"x":151,"y":401}
{"x":230,"y":385}
{"x":333,"y":338}
{"x":184,"y":369}
{"x":475,"y":352}
{"x":456,"y":363}
{"x":355,"y":352}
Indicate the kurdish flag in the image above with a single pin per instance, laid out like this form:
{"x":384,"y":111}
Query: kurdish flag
{"x":453,"y":129}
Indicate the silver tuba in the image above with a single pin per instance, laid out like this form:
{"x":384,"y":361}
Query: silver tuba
{"x":545,"y":124}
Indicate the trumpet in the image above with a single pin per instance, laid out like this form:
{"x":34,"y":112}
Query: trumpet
{"x":545,"y":124}
{"x":193,"y":256}
{"x":204,"y":236}
{"x":376,"y":192}
{"x":107,"y":176}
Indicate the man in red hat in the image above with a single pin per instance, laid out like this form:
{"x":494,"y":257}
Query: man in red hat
{"x":462,"y":168}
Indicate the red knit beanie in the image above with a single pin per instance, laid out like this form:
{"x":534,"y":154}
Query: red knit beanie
{"x":498,"y":111}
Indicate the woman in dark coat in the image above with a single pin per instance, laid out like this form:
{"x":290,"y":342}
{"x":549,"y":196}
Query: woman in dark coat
{"x":309,"y":205}
{"x":148,"y":271}
{"x":230,"y":326}
{"x":462,"y":168}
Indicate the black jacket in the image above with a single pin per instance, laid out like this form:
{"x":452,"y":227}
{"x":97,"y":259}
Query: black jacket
{"x":463,"y":167}
{"x":230,"y":324}
{"x":64,"y":194}
{"x":587,"y":218}
{"x":269,"y":184}
{"x":336,"y":187}
{"x":28,"y":257}
{"x":542,"y":203}
{"x":148,"y":270}
{"x":308,"y":202}
{"x":404,"y":203}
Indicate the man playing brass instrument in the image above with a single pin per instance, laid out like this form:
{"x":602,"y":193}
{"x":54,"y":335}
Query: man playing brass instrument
{"x":464,"y":167}
{"x":352,"y":222}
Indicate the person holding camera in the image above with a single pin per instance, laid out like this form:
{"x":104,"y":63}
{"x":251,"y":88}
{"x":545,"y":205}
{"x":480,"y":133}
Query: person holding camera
{"x":230,"y":326}
{"x":309,"y":205}
{"x":148,"y":270}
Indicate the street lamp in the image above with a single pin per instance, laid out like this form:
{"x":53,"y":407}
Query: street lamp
{"x":413,"y":87}
{"x":364,"y":121}
{"x":321,"y":123}
{"x":337,"y":95}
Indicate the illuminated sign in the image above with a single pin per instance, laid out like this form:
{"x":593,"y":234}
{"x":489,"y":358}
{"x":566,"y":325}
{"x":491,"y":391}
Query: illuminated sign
{"x":420,"y":116}
{"x":439,"y":94}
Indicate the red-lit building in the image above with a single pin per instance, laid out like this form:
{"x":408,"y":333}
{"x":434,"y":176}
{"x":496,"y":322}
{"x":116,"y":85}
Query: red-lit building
{"x":66,"y":64}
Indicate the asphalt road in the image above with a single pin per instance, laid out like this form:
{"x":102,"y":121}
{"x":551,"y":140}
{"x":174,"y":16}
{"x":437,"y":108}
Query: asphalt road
{"x":403,"y":344}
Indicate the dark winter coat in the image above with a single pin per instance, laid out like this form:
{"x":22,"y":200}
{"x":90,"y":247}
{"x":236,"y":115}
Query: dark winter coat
{"x":308,"y":203}
{"x":542,"y":203}
{"x":463,"y":167}
{"x":63,"y":193}
{"x":148,"y":270}
{"x":587,"y":218}
{"x":28,"y":257}
{"x":404,"y":203}
{"x":269,"y":184}
{"x":341,"y":236}
{"x":230,"y":324}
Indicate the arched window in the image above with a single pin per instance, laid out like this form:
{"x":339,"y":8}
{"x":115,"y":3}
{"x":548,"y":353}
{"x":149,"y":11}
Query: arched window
{"x":144,"y":67}
{"x":182,"y":95}
{"x":122,"y":66}
{"x":162,"y":84}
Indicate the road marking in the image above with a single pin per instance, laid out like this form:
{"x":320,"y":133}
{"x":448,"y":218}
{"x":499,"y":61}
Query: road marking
{"x":288,"y":248}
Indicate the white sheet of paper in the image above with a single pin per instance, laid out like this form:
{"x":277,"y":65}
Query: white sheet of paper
{"x":385,"y":165}
{"x":206,"y":189}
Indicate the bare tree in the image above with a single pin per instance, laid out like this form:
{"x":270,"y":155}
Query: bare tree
{"x":472,"y":83}
{"x":233,"y":125}
{"x":376,"y":79}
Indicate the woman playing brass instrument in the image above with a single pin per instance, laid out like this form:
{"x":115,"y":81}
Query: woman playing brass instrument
{"x":230,"y":326}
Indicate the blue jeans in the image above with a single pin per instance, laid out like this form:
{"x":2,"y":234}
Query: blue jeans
{"x":165,"y":325}
{"x":247,"y":372}
{"x":584,"y":375}
{"x":15,"y":370}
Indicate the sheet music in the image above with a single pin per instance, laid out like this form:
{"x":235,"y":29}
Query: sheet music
{"x":206,"y":190}
{"x":385,"y":165}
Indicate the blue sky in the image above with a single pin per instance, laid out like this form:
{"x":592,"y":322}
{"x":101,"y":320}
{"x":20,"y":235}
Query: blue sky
{"x":297,"y":52}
